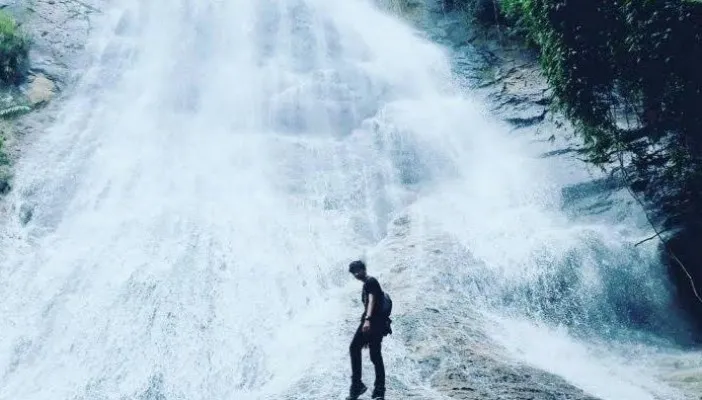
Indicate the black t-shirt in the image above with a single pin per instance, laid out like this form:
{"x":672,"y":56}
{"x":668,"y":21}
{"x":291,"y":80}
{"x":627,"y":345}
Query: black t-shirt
{"x":371,"y":286}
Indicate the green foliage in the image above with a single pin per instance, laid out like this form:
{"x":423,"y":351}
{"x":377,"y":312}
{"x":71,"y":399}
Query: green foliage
{"x":575,"y":38}
{"x":14,"y":110}
{"x":626,"y":72}
{"x":604,"y":57}
{"x":14,"y":48}
{"x":3,"y":156}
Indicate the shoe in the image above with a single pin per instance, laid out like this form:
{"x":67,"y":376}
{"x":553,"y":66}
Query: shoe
{"x":356,"y":391}
{"x":378,"y":394}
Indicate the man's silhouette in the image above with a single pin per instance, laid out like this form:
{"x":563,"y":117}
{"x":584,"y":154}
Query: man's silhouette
{"x":369,"y":333}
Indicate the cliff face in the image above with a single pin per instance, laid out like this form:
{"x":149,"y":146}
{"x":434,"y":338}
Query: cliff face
{"x":58,"y":32}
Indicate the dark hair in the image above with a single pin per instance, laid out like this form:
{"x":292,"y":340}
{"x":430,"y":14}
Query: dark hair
{"x":357,"y":265}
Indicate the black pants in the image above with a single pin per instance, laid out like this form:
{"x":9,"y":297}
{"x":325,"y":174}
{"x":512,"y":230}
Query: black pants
{"x":373,"y":338}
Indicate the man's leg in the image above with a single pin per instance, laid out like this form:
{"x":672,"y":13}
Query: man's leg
{"x":355,"y":353}
{"x":377,"y":359}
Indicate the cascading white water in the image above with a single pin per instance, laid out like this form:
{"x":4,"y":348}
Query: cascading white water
{"x":192,"y":212}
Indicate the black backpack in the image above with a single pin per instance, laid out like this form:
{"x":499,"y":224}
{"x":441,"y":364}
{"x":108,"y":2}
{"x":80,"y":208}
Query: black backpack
{"x":386,"y":310}
{"x":386,"y":307}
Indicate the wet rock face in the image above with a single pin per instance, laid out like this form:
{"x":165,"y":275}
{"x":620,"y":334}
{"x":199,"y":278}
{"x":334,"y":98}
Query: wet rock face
{"x":522,"y":99}
{"x":498,"y":68}
{"x":506,"y":382}
{"x":59,"y":30}
{"x":40,"y":90}
{"x":461,"y":362}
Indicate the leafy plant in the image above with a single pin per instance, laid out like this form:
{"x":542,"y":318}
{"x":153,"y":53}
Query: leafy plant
{"x":14,"y":48}
{"x":607,"y":57}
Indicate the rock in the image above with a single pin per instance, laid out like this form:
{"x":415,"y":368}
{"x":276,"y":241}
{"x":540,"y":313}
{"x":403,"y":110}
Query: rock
{"x":26,"y":213}
{"x":523,"y":96}
{"x":59,"y":31}
{"x":5,"y":177}
{"x":10,"y":5}
{"x":461,"y":362}
{"x":40,"y":90}
{"x":527,"y":116}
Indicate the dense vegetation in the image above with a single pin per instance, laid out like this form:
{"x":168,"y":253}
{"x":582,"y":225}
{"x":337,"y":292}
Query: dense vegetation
{"x":627,"y":73}
{"x":14,"y":49}
{"x":612,"y":59}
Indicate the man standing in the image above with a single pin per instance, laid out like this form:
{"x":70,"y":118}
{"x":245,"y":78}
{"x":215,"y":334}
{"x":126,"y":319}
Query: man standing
{"x":369,"y":333}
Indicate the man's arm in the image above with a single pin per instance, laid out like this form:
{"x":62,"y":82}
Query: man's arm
{"x":374,"y":292}
{"x":371,"y":303}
